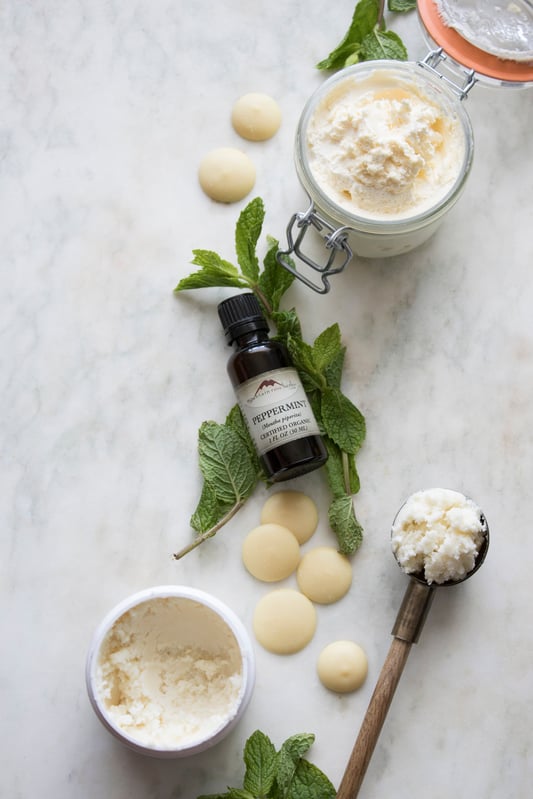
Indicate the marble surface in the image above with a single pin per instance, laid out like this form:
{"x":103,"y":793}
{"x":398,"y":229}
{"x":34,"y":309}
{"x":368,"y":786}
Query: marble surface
{"x":107,"y":109}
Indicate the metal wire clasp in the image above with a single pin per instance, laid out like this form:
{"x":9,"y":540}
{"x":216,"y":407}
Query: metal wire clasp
{"x":336,"y":242}
{"x":435,"y":59}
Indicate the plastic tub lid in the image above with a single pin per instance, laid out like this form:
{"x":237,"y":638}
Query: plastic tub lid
{"x":460,"y":46}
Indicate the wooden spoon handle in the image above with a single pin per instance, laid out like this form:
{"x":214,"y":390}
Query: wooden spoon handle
{"x":406,"y":631}
{"x":373,"y":721}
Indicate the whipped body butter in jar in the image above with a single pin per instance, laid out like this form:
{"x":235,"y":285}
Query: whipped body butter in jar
{"x":383,"y":149}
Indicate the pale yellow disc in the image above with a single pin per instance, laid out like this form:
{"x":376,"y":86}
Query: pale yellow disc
{"x":284,"y":621}
{"x":324,"y":575}
{"x":294,"y":510}
{"x":226,"y":174}
{"x":256,"y":116}
{"x":270,"y":552}
{"x":342,"y":666}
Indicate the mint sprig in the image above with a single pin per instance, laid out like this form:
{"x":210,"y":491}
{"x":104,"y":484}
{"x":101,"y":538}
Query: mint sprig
{"x":283,"y":774}
{"x":401,"y":5}
{"x":261,"y":764}
{"x":247,"y":235}
{"x":228,"y":460}
{"x":230,"y":469}
{"x":368,"y":38}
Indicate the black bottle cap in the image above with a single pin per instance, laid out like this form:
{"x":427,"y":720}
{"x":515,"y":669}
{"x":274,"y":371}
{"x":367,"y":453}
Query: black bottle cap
{"x":241,"y":314}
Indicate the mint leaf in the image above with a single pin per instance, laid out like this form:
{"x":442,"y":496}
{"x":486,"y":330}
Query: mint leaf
{"x":353,"y":57}
{"x":333,"y":372}
{"x":326,"y":347}
{"x":383,"y":44}
{"x":215,"y":271}
{"x":206,"y":279}
{"x":287,"y":324}
{"x":297,"y":745}
{"x":292,"y":750}
{"x":274,"y":280}
{"x":208,"y":511}
{"x":285,"y":771}
{"x":310,"y":783}
{"x":345,"y":525}
{"x":343,"y":56}
{"x":225,"y":463}
{"x":236,"y":421}
{"x":401,"y":5}
{"x":303,"y":358}
{"x":210,"y":260}
{"x":364,"y":18}
{"x":260,"y":760}
{"x":343,"y":422}
{"x":247,"y":232}
{"x":313,"y":395}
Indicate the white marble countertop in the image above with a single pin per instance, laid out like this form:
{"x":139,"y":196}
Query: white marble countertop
{"x":107,"y":109}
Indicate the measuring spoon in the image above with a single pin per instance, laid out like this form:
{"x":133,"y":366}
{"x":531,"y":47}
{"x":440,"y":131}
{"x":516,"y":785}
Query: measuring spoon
{"x":406,"y":631}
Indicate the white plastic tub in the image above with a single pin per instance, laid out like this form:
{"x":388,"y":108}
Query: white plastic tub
{"x":144,"y":652}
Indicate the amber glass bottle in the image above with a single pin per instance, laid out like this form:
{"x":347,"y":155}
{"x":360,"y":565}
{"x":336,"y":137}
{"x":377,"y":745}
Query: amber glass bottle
{"x":269,"y":392}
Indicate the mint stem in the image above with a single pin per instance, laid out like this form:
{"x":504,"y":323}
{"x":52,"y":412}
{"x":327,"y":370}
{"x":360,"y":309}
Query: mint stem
{"x":260,"y":295}
{"x":209,"y":533}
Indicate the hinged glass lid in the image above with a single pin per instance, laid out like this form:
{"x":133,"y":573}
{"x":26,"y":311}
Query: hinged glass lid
{"x":492,"y":37}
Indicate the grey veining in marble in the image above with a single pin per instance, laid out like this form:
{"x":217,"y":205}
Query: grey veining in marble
{"x":106,"y":110}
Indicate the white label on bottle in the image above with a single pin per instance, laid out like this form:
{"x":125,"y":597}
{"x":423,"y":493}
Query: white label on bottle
{"x":276,"y":409}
